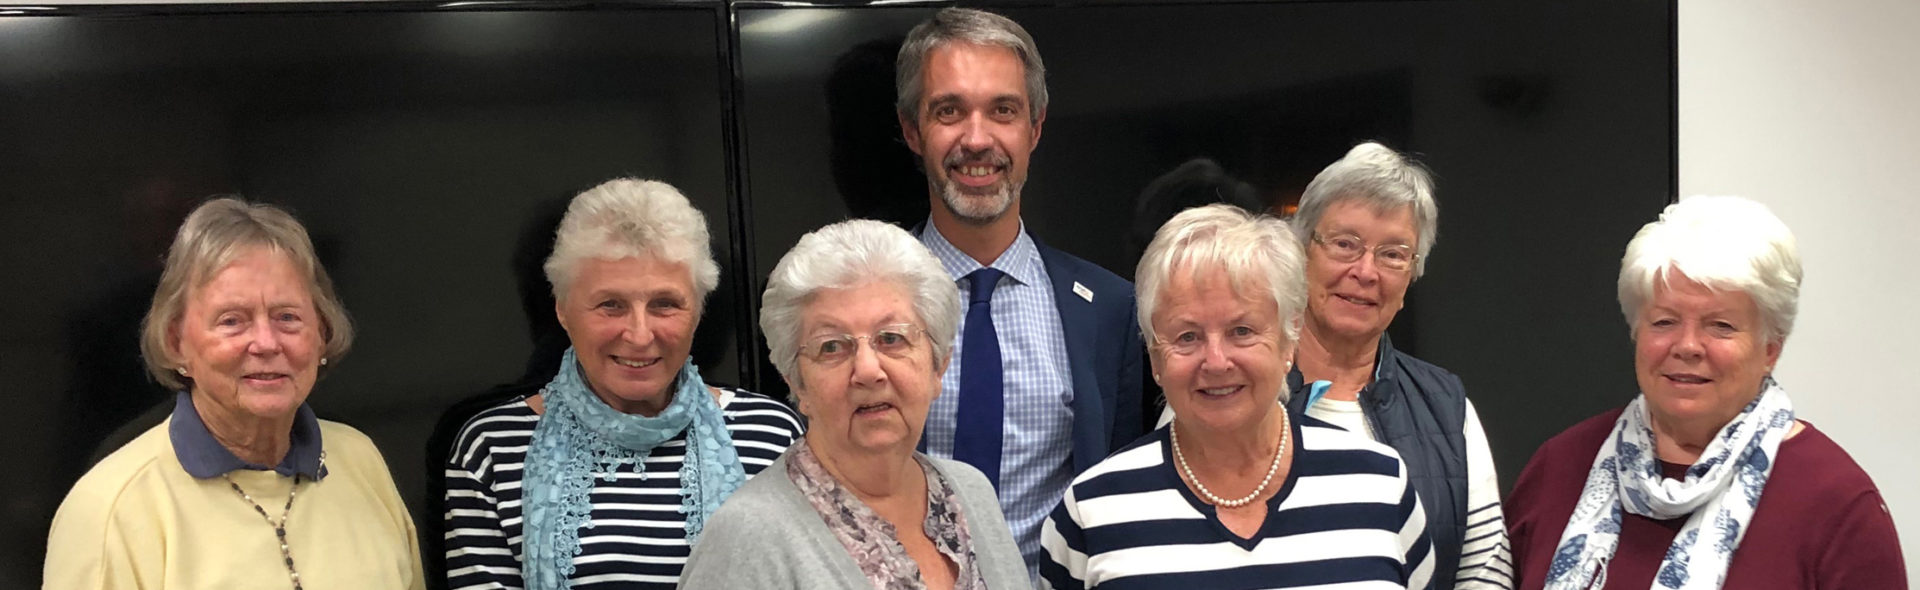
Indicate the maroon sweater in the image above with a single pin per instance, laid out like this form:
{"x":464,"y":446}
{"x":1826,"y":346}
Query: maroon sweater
{"x":1821,"y":522}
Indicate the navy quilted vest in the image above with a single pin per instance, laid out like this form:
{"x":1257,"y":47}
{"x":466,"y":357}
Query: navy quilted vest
{"x":1419,"y":410}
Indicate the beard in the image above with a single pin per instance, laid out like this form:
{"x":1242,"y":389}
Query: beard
{"x":978,"y":206}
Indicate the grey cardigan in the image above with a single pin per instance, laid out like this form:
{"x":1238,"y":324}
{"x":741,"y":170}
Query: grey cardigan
{"x":768,"y":537}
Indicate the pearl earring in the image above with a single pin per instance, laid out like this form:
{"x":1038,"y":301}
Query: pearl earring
{"x":182,"y":370}
{"x":323,"y":361}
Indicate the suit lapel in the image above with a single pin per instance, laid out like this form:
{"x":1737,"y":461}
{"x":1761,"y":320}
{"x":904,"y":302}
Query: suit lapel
{"x":1080,"y":325}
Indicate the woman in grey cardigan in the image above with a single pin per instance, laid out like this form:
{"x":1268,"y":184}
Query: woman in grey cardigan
{"x":859,"y":318}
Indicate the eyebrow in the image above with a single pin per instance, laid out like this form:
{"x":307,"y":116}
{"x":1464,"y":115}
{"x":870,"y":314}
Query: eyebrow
{"x":955,"y":98}
{"x":836,"y":327}
{"x":637,"y":294}
{"x":233,"y":303}
{"x":1345,"y":231}
{"x":1238,"y":320}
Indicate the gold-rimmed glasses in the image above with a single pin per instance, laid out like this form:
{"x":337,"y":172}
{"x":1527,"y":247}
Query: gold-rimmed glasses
{"x":894,"y":340}
{"x":1350,"y":248}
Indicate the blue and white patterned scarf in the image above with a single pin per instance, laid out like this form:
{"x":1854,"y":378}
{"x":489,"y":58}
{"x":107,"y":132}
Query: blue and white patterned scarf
{"x":1720,"y":492}
{"x":581,"y":435}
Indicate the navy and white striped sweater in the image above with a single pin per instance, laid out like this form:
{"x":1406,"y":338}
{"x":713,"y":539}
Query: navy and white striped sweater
{"x":638,"y":536}
{"x":1344,"y":517}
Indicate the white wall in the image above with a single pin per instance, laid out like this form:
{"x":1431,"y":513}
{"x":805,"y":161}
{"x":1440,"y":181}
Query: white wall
{"x":1814,"y":109}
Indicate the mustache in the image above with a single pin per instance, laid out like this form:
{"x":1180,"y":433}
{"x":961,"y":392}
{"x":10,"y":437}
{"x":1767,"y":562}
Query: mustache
{"x":964,"y":157}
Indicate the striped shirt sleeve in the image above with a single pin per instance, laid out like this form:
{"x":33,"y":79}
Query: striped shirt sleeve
{"x":1486,"y":562}
{"x":1413,"y":536}
{"x":1063,"y":548}
{"x":478,"y":556}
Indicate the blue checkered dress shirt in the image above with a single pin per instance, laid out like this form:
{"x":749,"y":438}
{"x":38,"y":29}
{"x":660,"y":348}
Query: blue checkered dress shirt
{"x":1037,"y":438}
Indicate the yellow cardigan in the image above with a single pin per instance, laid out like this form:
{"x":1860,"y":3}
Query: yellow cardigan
{"x":138,"y":520}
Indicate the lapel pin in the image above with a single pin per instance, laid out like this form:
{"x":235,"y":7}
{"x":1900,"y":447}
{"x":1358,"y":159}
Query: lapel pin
{"x":1083,"y":291}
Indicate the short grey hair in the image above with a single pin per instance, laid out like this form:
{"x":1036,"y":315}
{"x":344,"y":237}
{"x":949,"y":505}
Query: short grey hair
{"x":1381,"y":178}
{"x":1723,"y":243}
{"x":218,"y":232}
{"x":973,"y":27}
{"x":1257,"y":252}
{"x":849,"y":254}
{"x":628,"y":217}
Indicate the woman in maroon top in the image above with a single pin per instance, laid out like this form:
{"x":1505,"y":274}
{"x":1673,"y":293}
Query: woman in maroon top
{"x":1704,"y":480}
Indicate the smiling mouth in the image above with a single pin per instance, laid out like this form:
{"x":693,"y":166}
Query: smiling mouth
{"x":1687,"y":379}
{"x":872,"y":408}
{"x":1356,"y":300}
{"x":634,"y":364}
{"x":976,"y":170}
{"x":265,"y":376}
{"x":1219,"y":391}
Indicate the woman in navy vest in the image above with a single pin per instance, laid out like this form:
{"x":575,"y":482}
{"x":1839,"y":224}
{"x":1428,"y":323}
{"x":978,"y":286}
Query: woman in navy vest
{"x":1367,"y":223}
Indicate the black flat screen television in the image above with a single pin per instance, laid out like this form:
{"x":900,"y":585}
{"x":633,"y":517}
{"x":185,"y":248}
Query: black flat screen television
{"x":429,"y":147}
{"x":1549,"y":128}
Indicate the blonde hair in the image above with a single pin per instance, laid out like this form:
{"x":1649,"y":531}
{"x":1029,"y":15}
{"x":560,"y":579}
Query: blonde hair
{"x":213,"y":236}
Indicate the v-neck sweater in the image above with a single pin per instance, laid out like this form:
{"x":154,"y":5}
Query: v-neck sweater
{"x":1344,"y":515}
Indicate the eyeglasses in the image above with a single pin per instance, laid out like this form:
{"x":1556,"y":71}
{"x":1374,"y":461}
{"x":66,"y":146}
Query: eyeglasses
{"x":895,"y":340}
{"x":1191,"y":342}
{"x":1350,"y":248}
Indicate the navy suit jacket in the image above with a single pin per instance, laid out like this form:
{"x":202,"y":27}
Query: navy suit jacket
{"x":1105,"y":352}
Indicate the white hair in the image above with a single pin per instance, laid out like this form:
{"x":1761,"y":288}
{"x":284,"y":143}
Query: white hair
{"x":849,"y":254}
{"x":628,"y":217}
{"x":1255,"y":252}
{"x":1722,"y":243}
{"x":1381,"y":178}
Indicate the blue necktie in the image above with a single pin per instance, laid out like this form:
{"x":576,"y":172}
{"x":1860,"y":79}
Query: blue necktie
{"x":976,"y":435}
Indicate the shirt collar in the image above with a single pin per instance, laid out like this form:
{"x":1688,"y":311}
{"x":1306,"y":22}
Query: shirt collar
{"x":1383,"y":369}
{"x":1383,"y":365}
{"x":1021,"y":260}
{"x":204,"y":457}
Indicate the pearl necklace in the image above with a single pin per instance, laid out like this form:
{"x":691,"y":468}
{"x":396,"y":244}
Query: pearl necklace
{"x":1181,"y":458}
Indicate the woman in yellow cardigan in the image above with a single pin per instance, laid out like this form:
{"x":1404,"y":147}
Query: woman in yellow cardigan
{"x":242,"y":487}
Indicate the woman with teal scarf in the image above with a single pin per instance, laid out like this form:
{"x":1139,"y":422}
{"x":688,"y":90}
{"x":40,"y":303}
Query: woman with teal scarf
{"x":606,"y":478}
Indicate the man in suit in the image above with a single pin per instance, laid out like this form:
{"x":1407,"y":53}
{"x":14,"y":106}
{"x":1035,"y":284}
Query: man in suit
{"x":1045,"y":378}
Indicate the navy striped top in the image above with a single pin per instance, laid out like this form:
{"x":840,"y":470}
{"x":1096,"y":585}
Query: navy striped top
{"x":1344,"y":517}
{"x":638,"y":536}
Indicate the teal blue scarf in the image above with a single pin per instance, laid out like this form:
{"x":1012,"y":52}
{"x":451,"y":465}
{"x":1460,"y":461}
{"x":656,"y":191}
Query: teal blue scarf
{"x":580,"y":435}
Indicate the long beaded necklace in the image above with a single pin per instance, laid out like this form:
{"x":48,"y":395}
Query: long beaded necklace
{"x":1180,"y":458}
{"x":279,"y":528}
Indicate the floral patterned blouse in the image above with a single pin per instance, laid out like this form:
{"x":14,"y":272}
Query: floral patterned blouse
{"x":872,"y":541}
